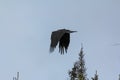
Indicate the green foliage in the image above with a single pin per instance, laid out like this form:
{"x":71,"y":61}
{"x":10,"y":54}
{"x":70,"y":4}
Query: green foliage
{"x":16,"y":78}
{"x":95,"y":77}
{"x":79,"y":71}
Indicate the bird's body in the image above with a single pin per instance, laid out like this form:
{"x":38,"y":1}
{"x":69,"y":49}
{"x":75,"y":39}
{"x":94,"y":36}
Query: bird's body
{"x":62,"y":37}
{"x":64,"y":42}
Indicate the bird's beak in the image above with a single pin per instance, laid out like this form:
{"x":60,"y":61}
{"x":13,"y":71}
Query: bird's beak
{"x":72,"y":31}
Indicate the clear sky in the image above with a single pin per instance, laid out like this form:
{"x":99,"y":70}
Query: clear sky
{"x":25,"y":30}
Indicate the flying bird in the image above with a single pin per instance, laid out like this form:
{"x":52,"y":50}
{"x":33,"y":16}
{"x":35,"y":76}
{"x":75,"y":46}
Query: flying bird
{"x":116,"y":44}
{"x":61,"y":36}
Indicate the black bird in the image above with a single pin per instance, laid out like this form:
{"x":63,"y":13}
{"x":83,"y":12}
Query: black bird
{"x":61,"y":36}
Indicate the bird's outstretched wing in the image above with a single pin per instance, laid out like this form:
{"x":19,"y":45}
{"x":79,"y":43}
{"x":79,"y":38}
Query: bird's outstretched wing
{"x":55,"y":37}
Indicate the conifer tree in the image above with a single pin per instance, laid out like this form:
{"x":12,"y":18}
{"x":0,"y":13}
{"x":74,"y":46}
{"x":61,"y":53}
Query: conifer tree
{"x":16,"y":78}
{"x":119,"y":77}
{"x":95,"y":77}
{"x":79,"y":71}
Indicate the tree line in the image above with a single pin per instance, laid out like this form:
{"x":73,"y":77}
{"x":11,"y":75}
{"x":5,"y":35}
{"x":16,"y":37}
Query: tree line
{"x":78,"y":72}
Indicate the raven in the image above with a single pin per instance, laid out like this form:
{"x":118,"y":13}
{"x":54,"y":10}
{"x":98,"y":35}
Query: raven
{"x":61,"y":36}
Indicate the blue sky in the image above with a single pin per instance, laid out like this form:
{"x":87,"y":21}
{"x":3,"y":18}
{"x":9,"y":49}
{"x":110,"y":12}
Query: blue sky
{"x":25,"y":30}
